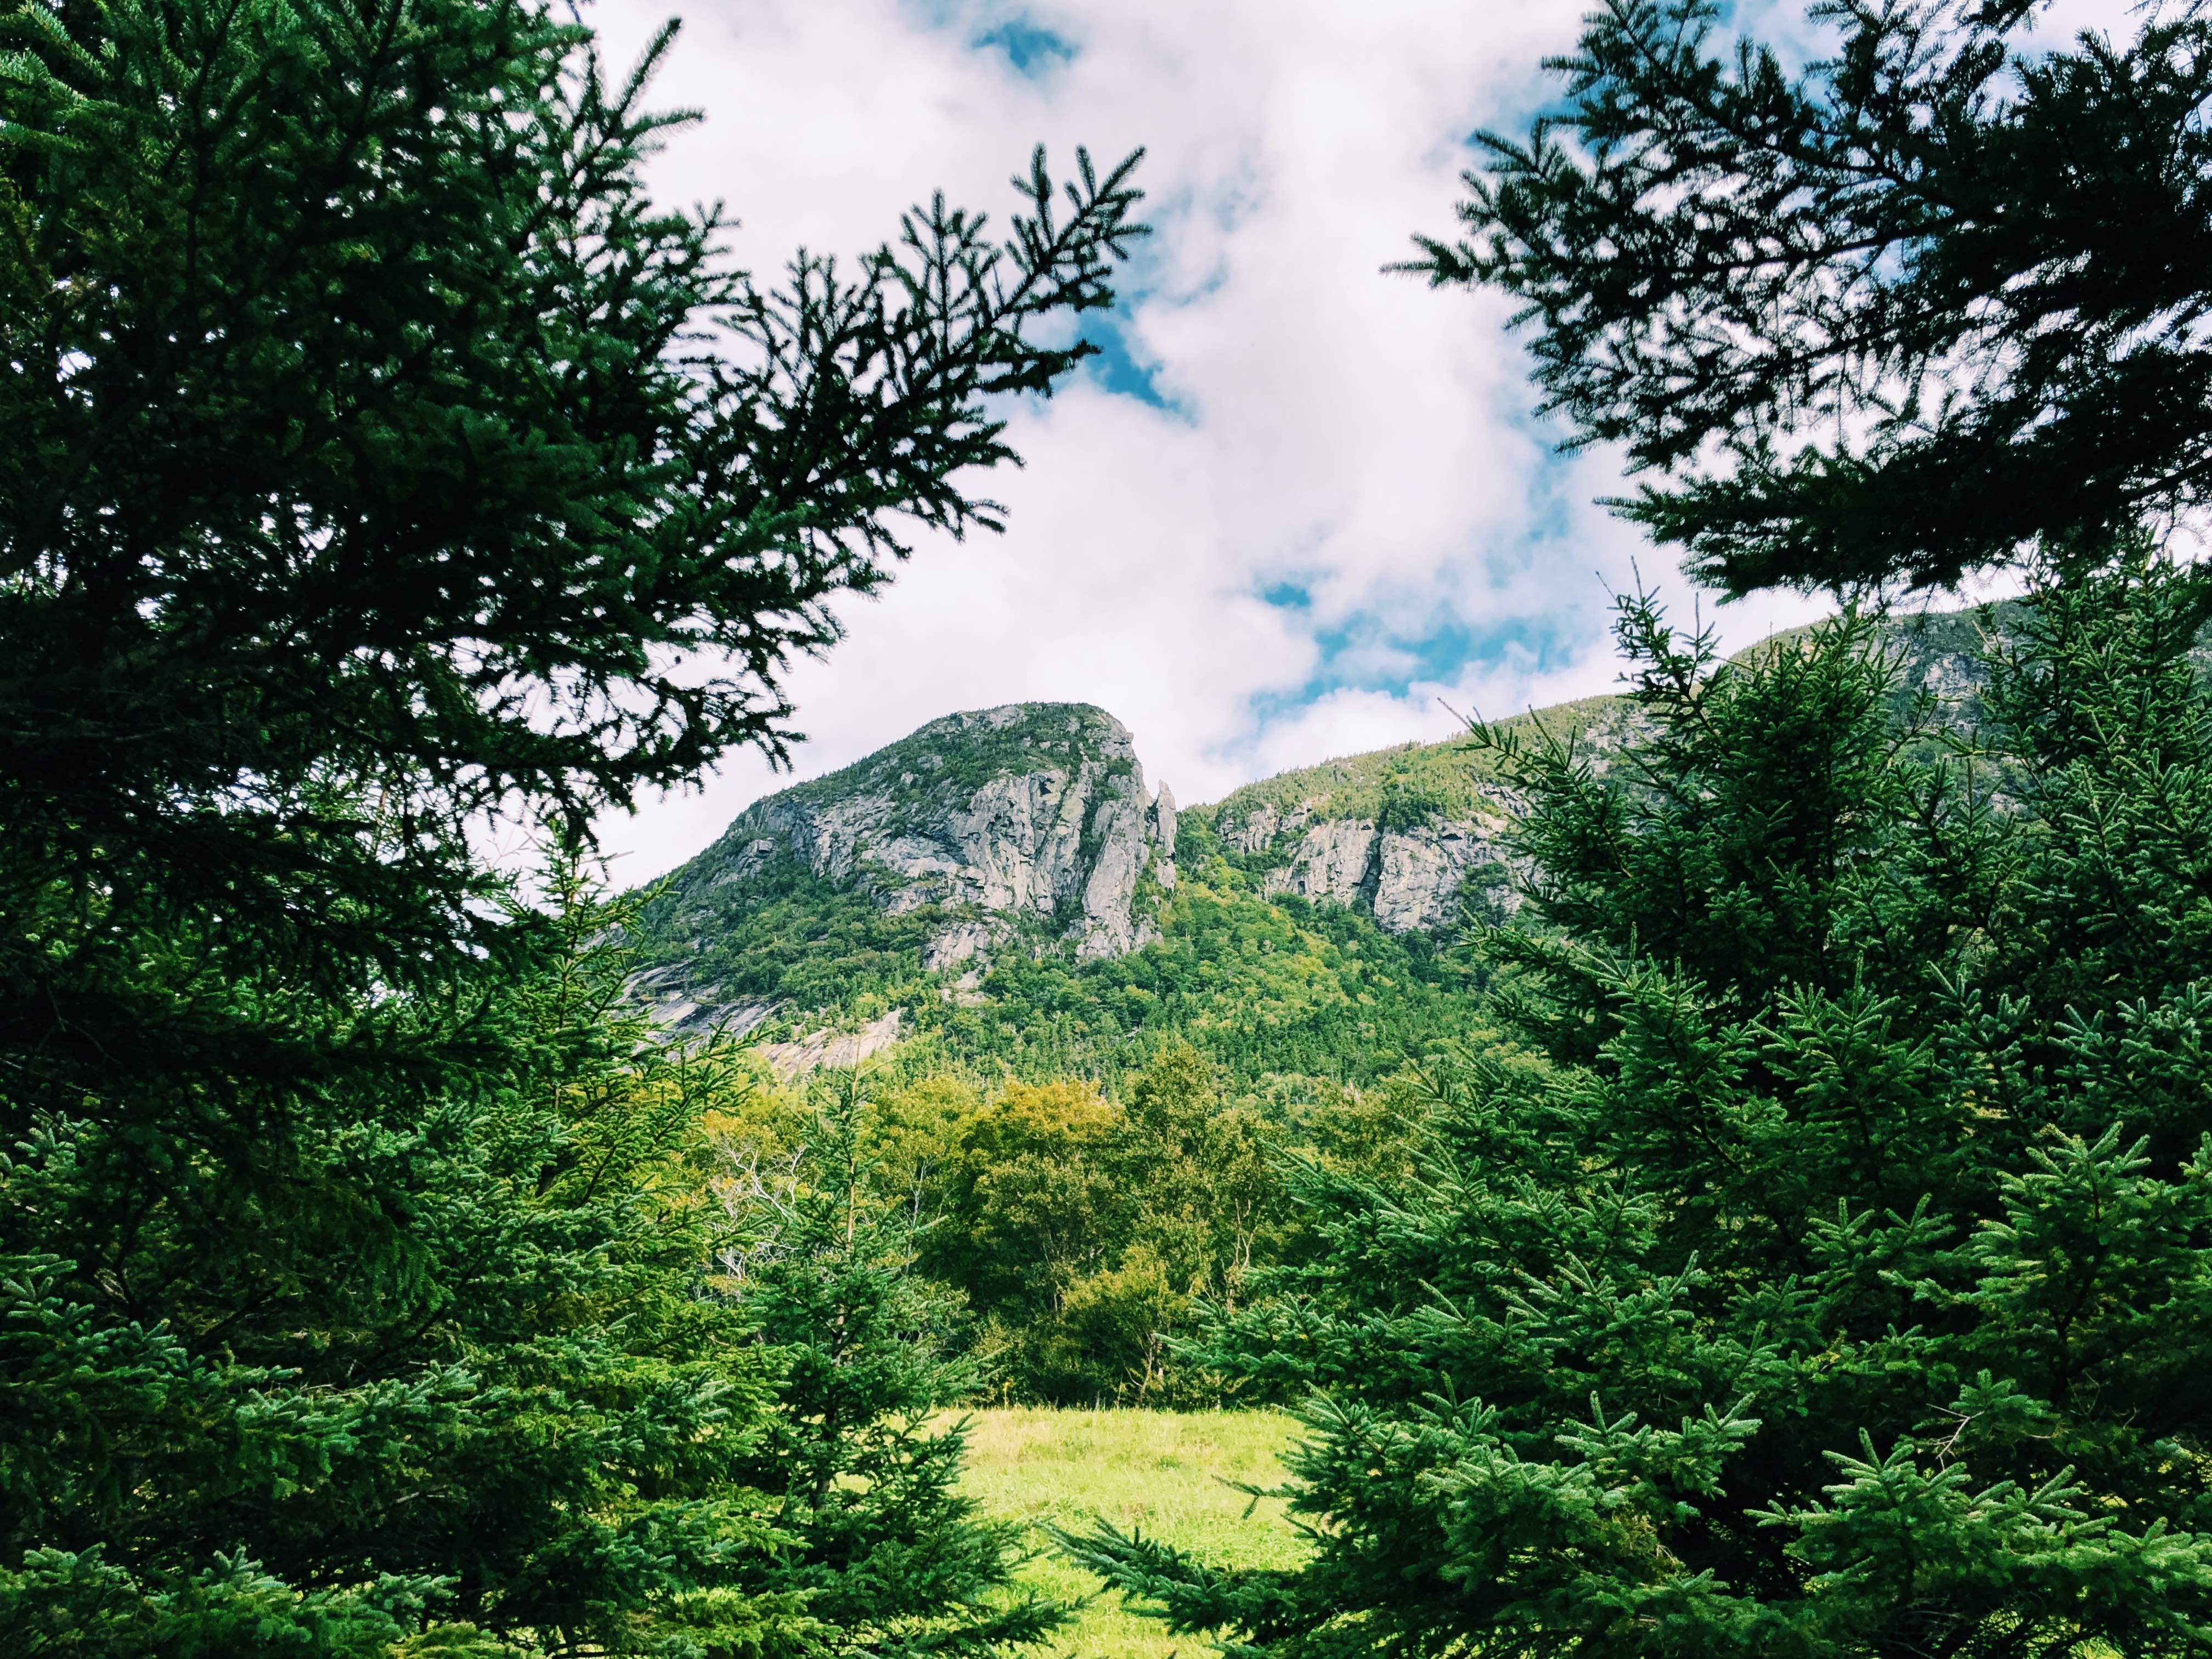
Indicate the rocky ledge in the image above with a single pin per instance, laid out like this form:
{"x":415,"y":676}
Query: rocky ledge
{"x":1411,"y":878}
{"x":1027,"y":824}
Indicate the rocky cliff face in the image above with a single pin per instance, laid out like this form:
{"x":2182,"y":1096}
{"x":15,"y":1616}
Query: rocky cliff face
{"x":1035,"y":813}
{"x":1027,"y":825}
{"x":1411,"y":877}
{"x":1415,"y":835}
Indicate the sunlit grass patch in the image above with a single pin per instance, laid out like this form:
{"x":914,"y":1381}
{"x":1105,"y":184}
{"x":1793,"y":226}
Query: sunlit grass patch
{"x":1172,"y":1474}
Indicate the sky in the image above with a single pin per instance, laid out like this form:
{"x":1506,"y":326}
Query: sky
{"x":1297,"y":506}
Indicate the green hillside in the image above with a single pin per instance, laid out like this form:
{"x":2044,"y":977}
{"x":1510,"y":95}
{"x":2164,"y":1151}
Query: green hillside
{"x":1263,"y":986}
{"x":1262,"y":983}
{"x":1447,"y":777}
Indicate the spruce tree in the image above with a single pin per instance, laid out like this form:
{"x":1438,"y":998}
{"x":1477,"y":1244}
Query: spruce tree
{"x":383,"y":463}
{"x":484,"y":1405}
{"x":860,"y":1454}
{"x":1938,"y":296}
{"x":1821,"y":1263}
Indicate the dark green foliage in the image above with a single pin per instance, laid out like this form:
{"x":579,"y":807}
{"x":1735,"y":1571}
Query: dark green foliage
{"x":1735,"y":829}
{"x":363,"y":398}
{"x":890,"y":1557}
{"x":382,"y":457}
{"x":1936,"y":297}
{"x":1828,"y":1268}
{"x":786,"y":935}
{"x":382,"y":454}
{"x":465,"y":1375}
{"x":545,"y":1424}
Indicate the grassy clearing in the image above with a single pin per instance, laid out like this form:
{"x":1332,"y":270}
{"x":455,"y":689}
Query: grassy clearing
{"x":1169,"y":1472}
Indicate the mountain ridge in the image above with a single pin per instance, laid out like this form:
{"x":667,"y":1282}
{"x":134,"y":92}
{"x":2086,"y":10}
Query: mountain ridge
{"x":1005,"y":867}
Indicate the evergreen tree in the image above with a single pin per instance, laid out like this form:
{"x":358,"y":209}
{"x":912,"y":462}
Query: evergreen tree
{"x":385,"y":458}
{"x":1940,"y":295}
{"x":888,"y":1553}
{"x":483,"y":1405}
{"x":383,"y":461}
{"x":1823,"y":1265}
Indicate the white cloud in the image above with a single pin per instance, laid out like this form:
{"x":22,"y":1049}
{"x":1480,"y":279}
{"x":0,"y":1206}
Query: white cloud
{"x":1349,"y":433}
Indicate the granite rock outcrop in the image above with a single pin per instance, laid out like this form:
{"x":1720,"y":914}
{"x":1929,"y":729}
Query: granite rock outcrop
{"x":1409,"y":878}
{"x":1026,"y":826}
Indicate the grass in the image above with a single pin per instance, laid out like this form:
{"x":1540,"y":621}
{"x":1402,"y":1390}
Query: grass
{"x":1170,"y":1473}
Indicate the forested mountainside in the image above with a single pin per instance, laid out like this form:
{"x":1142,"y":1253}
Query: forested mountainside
{"x":1005,"y":885}
{"x":1094,"y":1024}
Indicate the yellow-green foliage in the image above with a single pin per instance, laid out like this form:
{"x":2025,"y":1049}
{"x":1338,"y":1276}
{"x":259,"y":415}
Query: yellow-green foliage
{"x":1078,"y":1228}
{"x":1173,"y":1474}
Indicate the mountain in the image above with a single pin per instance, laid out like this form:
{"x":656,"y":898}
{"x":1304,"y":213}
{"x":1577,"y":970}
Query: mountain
{"x":1027,"y":826}
{"x":1411,"y":835}
{"x":1003,"y":882}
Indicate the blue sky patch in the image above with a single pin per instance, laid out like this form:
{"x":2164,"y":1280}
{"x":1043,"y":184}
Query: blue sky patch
{"x":1363,"y":653}
{"x":1114,"y":368}
{"x":1032,"y":49}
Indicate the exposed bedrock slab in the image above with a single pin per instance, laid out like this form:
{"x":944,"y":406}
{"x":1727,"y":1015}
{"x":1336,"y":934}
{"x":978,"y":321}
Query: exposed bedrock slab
{"x":1029,"y":822}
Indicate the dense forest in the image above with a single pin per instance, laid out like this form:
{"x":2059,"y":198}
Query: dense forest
{"x":1723,"y":1171}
